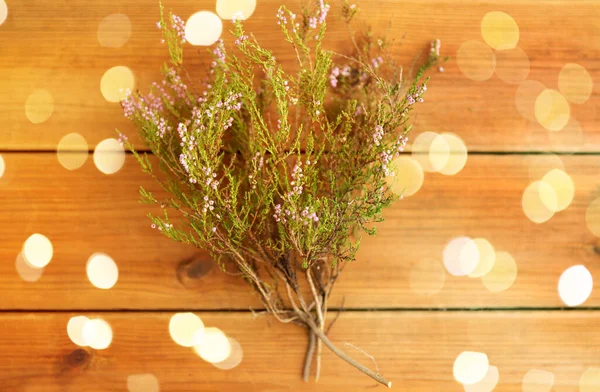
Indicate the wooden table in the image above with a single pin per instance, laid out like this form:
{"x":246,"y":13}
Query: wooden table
{"x":52,"y":45}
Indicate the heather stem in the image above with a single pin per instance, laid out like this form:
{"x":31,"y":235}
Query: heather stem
{"x":319,"y":306}
{"x":309,"y":354}
{"x":321,"y":335}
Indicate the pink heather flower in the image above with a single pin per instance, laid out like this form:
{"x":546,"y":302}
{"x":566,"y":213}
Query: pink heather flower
{"x":312,"y":23}
{"x":238,"y":15}
{"x":214,"y":229}
{"x":122,"y":138}
{"x":324,"y":8}
{"x":378,"y":135}
{"x":179,"y":26}
{"x":281,"y":19}
{"x":377,"y":62}
{"x":241,"y":39}
{"x":219,"y":51}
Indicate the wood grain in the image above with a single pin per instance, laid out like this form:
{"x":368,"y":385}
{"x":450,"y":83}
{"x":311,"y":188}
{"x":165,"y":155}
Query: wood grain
{"x":53,"y":46}
{"x":416,"y":350}
{"x":85,"y":211}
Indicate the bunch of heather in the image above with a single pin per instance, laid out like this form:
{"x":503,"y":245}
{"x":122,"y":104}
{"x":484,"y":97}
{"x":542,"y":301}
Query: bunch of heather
{"x":270,"y":170}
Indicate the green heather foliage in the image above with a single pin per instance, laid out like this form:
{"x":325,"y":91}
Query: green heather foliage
{"x":271,"y":171}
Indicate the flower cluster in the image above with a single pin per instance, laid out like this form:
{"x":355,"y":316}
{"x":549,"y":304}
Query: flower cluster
{"x":162,"y":127}
{"x":395,"y":150}
{"x":241,"y":39}
{"x":161,"y":226}
{"x":219,"y":51}
{"x":336,"y":72}
{"x":377,"y":62}
{"x":281,"y":19}
{"x":296,"y":183}
{"x":417,"y":96}
{"x":278,"y":215}
{"x":209,"y":204}
{"x":306,"y":216}
{"x":378,"y":135}
{"x":178,"y":26}
{"x":323,"y":10}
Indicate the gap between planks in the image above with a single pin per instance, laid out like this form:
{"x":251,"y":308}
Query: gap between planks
{"x":331,"y":309}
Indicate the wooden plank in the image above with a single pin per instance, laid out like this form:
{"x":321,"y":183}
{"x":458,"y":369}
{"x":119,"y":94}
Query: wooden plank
{"x":415,"y":350}
{"x":54,"y":47}
{"x":83,"y":212}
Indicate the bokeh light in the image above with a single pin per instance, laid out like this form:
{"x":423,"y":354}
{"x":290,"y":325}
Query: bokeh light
{"x":592,"y":217}
{"x":235,"y":356}
{"x":526,"y":96}
{"x":457,"y":157}
{"x":590,"y":380}
{"x":72,"y":151}
{"x":470,"y":367}
{"x":499,"y":30}
{"x":185,"y":329}
{"x":408,"y":176}
{"x":502,"y":275}
{"x":575,"y":285}
{"x":26,"y":271}
{"x":39,"y":106}
{"x":109,"y":156}
{"x":575,"y":83}
{"x":420,"y":148}
{"x":461,"y":256}
{"x":552,"y":110}
{"x":536,"y":380}
{"x":439,"y":152}
{"x":203,"y":28}
{"x":102,"y":271}
{"x":214,"y":347}
{"x":114,"y":30}
{"x":487,"y":384}
{"x":75,"y":330}
{"x":487,"y":258}
{"x":38,"y":250}
{"x":3,"y":11}
{"x":146,"y":382}
{"x":117,"y":83}
{"x":427,"y":277}
{"x":563,"y":187}
{"x":97,"y":334}
{"x":539,"y":202}
{"x":512,"y":66}
{"x":238,"y":9}
{"x":2,"y":166}
{"x":476,"y":60}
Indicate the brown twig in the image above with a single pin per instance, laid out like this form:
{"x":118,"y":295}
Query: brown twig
{"x":309,"y":355}
{"x":376,"y":376}
{"x":318,"y":305}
